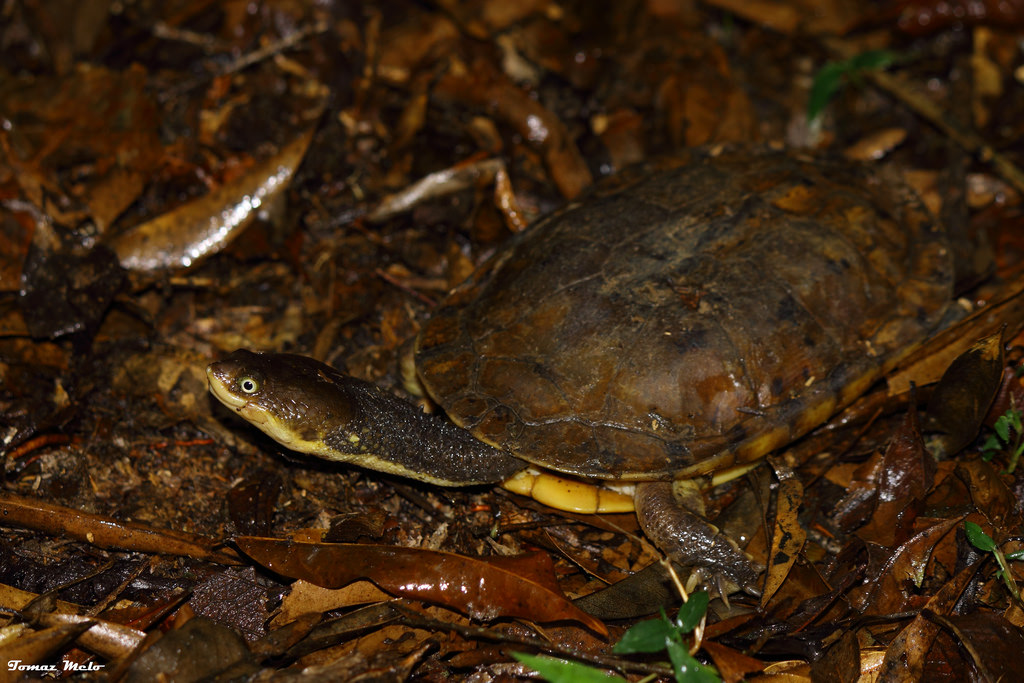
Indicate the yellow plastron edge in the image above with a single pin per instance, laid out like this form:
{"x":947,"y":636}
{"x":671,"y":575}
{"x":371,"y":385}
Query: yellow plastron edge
{"x":567,"y":494}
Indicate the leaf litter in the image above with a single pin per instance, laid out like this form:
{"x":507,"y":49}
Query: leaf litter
{"x":121,"y":126}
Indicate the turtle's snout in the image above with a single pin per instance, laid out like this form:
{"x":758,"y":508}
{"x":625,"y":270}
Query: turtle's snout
{"x":231,"y":382}
{"x":215,"y":374}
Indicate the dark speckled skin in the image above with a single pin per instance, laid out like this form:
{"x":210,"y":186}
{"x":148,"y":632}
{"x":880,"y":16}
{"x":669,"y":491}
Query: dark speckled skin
{"x":357,"y":419}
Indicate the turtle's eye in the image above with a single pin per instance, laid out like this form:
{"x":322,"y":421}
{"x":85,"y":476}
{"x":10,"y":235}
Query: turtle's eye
{"x":249,"y":385}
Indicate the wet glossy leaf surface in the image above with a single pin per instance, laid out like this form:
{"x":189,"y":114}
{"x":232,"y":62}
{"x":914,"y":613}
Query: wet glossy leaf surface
{"x":484,"y":590}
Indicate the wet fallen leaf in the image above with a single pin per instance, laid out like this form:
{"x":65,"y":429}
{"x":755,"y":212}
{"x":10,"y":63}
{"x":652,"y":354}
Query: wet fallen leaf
{"x":841,"y":662}
{"x":927,"y":363}
{"x":638,"y":595}
{"x":885,"y":495}
{"x":473,"y":586}
{"x":922,"y":17}
{"x":888,"y":589}
{"x":252,"y":502}
{"x":437,"y":184}
{"x":990,"y":493}
{"x":478,"y":83}
{"x":994,"y":644}
{"x":16,"y":227}
{"x":732,"y":664}
{"x":794,"y":17}
{"x":99,"y":121}
{"x":960,"y":401}
{"x":186,"y":235}
{"x":906,"y":654}
{"x":876,"y":145}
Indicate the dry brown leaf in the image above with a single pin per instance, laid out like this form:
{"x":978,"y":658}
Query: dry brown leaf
{"x":305,"y":597}
{"x":788,"y":536}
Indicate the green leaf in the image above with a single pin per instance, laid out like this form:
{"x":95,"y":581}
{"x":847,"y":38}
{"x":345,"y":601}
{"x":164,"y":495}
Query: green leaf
{"x":872,"y":60}
{"x":1019,"y":555}
{"x":1002,"y":427}
{"x":992,"y":445}
{"x":830,"y":77}
{"x":565,"y":671}
{"x":826,"y":84}
{"x":692,"y":611}
{"x":688,"y":669}
{"x":647,"y":636}
{"x":978,"y":538}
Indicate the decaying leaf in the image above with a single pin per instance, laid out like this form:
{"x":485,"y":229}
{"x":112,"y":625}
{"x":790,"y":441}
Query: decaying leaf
{"x":888,"y":589}
{"x":905,"y":655}
{"x":197,"y":650}
{"x":960,"y":401}
{"x":993,"y":643}
{"x":638,"y":595}
{"x":789,"y":535}
{"x":884,"y":496}
{"x":475,"y":587}
{"x":841,"y":662}
{"x":32,"y":649}
{"x":732,"y":664}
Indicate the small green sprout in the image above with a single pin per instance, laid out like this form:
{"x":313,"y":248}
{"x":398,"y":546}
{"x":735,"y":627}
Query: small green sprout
{"x":1008,"y":437}
{"x":653,"y":635}
{"x":982,"y":541}
{"x":831,"y":77}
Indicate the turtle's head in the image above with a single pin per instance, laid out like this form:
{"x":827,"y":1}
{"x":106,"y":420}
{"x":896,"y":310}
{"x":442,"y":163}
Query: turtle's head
{"x":312,"y":408}
{"x":293,"y":399}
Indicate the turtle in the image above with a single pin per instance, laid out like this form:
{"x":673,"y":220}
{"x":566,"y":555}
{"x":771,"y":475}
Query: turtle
{"x":679,"y":322}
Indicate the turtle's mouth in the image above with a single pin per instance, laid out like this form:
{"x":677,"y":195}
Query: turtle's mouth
{"x":219,"y":388}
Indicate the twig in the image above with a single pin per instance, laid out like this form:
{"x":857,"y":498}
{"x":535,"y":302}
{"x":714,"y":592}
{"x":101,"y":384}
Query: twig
{"x":247,"y":59}
{"x":413,"y":618}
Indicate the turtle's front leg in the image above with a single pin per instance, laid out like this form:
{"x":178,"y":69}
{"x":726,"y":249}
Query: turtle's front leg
{"x":688,"y":538}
